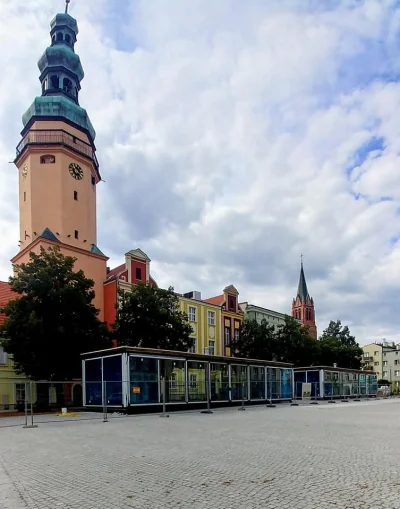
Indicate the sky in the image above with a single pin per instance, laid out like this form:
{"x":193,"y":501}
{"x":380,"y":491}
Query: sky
{"x":232,"y":137}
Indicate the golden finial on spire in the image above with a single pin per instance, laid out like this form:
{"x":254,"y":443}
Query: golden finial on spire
{"x":66,"y":6}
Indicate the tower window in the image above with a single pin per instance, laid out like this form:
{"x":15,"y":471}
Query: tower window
{"x":93,"y":181}
{"x":67,"y":85}
{"x":67,"y":38}
{"x":76,"y":234}
{"x":24,"y":195}
{"x":76,"y":195}
{"x":53,"y":39}
{"x":138,"y":273}
{"x":55,"y":81}
{"x":47,"y":159}
{"x":60,"y":36}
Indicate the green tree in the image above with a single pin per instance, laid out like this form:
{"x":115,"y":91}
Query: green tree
{"x":53,"y":320}
{"x":294,"y":344}
{"x":341,"y":333}
{"x":256,"y":340}
{"x":149,"y":317}
{"x":337,"y":345}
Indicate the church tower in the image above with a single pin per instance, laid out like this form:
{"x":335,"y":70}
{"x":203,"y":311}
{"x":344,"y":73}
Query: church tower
{"x":303,"y":305}
{"x":57,"y":163}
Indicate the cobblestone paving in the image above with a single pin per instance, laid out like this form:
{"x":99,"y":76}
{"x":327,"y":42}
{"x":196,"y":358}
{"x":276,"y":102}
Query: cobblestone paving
{"x":306,"y":457}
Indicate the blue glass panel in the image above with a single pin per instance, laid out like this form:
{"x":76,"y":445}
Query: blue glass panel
{"x":112,"y":376}
{"x":144,"y":380}
{"x":93,"y":387}
{"x":257,"y":382}
{"x":299,"y":378}
{"x":286,"y":383}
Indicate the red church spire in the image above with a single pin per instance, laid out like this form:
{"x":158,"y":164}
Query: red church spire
{"x":303,"y":305}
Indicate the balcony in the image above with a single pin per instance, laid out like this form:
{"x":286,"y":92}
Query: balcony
{"x":57,"y":137}
{"x":367,"y":359}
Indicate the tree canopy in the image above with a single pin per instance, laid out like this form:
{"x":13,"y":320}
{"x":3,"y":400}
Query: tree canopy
{"x":149,"y":317}
{"x":337,"y":345}
{"x":52,"y":320}
{"x":291,"y":342}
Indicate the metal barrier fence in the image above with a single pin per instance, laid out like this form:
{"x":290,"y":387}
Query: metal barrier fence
{"x":332,"y":392}
{"x":26,"y":403}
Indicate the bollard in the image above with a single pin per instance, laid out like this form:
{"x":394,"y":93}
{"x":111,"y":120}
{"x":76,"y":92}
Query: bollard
{"x":105,"y":417}
{"x":164,"y":406}
{"x":242,"y":407}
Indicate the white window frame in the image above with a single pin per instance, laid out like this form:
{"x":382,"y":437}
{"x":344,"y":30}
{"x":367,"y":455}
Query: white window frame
{"x":211,"y":346}
{"x":211,"y":317}
{"x":236,"y":335}
{"x":20,"y":388}
{"x":173,"y":382}
{"x":192,"y":312}
{"x":227,"y":336}
{"x":192,"y":349}
{"x":3,"y":357}
{"x":193,"y":383}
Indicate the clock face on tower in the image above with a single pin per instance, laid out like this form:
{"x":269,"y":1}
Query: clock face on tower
{"x":24,"y":171}
{"x":76,"y":171}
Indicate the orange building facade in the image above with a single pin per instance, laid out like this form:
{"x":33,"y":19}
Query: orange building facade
{"x":57,"y":163}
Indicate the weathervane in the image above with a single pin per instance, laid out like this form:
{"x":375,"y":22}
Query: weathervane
{"x":66,"y":6}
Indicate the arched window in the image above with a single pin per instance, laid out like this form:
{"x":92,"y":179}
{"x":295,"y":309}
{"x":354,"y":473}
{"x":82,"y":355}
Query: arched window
{"x":55,"y":81}
{"x":67,"y":85}
{"x":67,"y":38}
{"x":60,"y":36}
{"x":47,"y":159}
{"x":53,"y":39}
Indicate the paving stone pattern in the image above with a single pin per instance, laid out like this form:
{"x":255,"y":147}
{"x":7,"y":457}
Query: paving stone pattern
{"x":306,"y":457}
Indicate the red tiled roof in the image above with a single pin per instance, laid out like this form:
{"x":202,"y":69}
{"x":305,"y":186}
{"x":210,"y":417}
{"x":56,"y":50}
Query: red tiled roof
{"x":217,"y":301}
{"x":116,"y":271}
{"x":6,"y":294}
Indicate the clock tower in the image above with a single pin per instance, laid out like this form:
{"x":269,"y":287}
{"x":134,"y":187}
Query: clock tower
{"x":57,"y":163}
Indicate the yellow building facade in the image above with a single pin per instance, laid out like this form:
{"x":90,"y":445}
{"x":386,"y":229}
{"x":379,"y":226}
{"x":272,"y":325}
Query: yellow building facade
{"x":12,"y":386}
{"x":205,"y":320}
{"x":372,"y":358}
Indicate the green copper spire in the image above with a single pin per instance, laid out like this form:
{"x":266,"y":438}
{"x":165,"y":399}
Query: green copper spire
{"x":61,"y":74}
{"x":302,"y":290}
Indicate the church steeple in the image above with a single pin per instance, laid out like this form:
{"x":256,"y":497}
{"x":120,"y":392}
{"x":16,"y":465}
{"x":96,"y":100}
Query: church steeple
{"x":303,"y":304}
{"x":302,"y":291}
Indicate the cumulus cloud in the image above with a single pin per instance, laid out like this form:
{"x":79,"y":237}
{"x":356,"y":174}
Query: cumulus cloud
{"x":232,"y":137}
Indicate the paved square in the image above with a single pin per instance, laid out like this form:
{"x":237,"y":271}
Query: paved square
{"x":325,"y":456}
